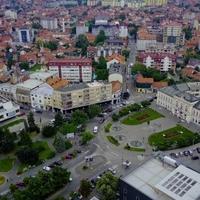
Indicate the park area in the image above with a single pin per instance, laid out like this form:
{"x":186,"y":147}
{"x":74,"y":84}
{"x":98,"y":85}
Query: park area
{"x":143,"y":116}
{"x":6,"y":164}
{"x":173,"y":138}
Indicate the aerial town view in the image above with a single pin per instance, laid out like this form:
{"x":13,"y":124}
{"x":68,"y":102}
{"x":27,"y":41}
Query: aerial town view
{"x":99,"y":99}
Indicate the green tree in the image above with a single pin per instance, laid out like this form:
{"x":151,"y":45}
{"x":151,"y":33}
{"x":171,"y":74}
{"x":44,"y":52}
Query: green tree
{"x":145,"y":103}
{"x":85,"y":188}
{"x":27,"y":155}
{"x":25,"y":139}
{"x":100,"y":38}
{"x":126,"y":53}
{"x":24,"y":65}
{"x":6,"y":141}
{"x":83,"y":43}
{"x":86,"y":137}
{"x":107,"y":186}
{"x":58,"y":119}
{"x":115,"y":117}
{"x":102,"y":64}
{"x":102,"y":74}
{"x":67,"y":128}
{"x":94,"y":110}
{"x":59,"y":144}
{"x":79,"y":117}
{"x":52,"y":45}
{"x":49,"y":131}
{"x":188,"y":33}
{"x":31,"y":123}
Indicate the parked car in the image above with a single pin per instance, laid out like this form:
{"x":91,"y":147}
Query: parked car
{"x":58,"y":163}
{"x":20,"y":184}
{"x":112,"y":170}
{"x":198,"y":149}
{"x":46,"y":168}
{"x":101,"y":121}
{"x":190,"y":152}
{"x":127,"y":163}
{"x":195,"y":157}
{"x":186,"y":153}
{"x":21,"y":114}
{"x":173,"y":155}
{"x":68,"y":157}
{"x":181,"y":153}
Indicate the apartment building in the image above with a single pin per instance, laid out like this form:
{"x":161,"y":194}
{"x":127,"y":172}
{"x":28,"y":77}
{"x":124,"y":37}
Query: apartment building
{"x":23,"y":90}
{"x":80,"y":95}
{"x":182,"y":100}
{"x":160,"y":61}
{"x":74,"y":70}
{"x":50,"y":23}
{"x":173,"y":33}
{"x":133,"y":3}
{"x":144,"y":39}
{"x":7,"y":109}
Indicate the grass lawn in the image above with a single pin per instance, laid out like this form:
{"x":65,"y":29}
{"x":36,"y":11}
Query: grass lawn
{"x":140,"y":117}
{"x":176,"y":137}
{"x":44,"y":149}
{"x":35,"y":67}
{"x":6,"y":164}
{"x":107,"y":127}
{"x":112,"y":140}
{"x":17,"y":121}
{"x":2,"y":180}
{"x":22,"y":168}
{"x":136,"y":149}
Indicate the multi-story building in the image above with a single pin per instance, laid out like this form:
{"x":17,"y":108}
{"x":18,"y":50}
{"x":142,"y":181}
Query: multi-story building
{"x":81,"y":28}
{"x":144,"y":39}
{"x":25,"y":35}
{"x":7,"y":109}
{"x":161,"y":178}
{"x":173,"y":33}
{"x":133,"y":3}
{"x":74,"y":70}
{"x":80,"y":95}
{"x":160,"y":61}
{"x":50,"y":23}
{"x":23,"y":90}
{"x":182,"y":100}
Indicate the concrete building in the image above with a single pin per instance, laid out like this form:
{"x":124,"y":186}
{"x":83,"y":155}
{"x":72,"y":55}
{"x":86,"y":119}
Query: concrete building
{"x":25,"y":35}
{"x":81,"y":28}
{"x":173,"y":33}
{"x":23,"y":90}
{"x":144,"y":39}
{"x":74,"y":70}
{"x":8,"y":109}
{"x":157,"y":179}
{"x":117,"y":73}
{"x":50,"y":23}
{"x":44,"y":75}
{"x":161,"y":61}
{"x":182,"y":100}
{"x":41,"y":96}
{"x":10,"y":14}
{"x":80,"y":95}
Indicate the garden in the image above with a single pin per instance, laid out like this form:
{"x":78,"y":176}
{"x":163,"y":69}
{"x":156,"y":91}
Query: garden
{"x":176,"y":137}
{"x":143,"y":116}
{"x":112,"y":140}
{"x":6,"y":164}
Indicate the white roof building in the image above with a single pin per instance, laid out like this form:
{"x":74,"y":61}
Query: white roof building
{"x":43,"y":75}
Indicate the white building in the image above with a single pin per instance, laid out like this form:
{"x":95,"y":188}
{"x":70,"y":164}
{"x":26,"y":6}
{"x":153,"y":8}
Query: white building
{"x":25,"y":35}
{"x":81,"y":28}
{"x":49,"y":23}
{"x":41,"y":96}
{"x":10,"y":14}
{"x":75,"y":70}
{"x":43,"y":75}
{"x":7,"y":109}
{"x":182,"y":100}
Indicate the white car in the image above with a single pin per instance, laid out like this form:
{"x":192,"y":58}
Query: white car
{"x":113,"y":171}
{"x":70,"y":179}
{"x":46,"y":168}
{"x":127,"y":163}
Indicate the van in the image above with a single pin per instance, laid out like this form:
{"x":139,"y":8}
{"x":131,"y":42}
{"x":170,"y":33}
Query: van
{"x":95,"y":129}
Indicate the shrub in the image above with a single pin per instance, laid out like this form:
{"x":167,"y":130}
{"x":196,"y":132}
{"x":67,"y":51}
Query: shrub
{"x":51,"y":154}
{"x":107,"y":127}
{"x":115,"y":117}
{"x":145,"y":103}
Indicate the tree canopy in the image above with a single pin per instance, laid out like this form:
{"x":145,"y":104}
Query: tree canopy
{"x":49,"y":131}
{"x":93,"y":111}
{"x":25,"y":139}
{"x":107,"y":186}
{"x":6,"y":141}
{"x":58,"y":119}
{"x":85,"y":188}
{"x":83,"y":43}
{"x":86,"y":137}
{"x":79,"y":117}
{"x":31,"y":123}
{"x":100,"y":38}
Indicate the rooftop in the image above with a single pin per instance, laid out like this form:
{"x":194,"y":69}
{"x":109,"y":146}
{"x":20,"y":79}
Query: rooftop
{"x":42,"y":75}
{"x":72,"y":87}
{"x":181,"y":184}
{"x":29,"y":84}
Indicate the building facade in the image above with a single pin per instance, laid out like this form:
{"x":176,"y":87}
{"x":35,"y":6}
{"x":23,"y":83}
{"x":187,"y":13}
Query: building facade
{"x":74,"y":70}
{"x":182,"y":100}
{"x":160,"y":61}
{"x":49,"y":23}
{"x":8,"y":109}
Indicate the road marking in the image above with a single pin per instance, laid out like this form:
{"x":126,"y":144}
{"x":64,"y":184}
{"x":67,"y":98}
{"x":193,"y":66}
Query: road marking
{"x":113,"y":153}
{"x":86,"y":152}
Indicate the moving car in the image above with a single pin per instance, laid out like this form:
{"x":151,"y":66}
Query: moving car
{"x":95,"y":129}
{"x":46,"y":168}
